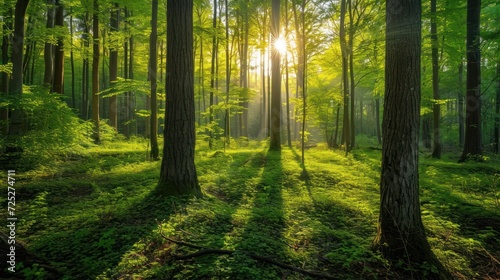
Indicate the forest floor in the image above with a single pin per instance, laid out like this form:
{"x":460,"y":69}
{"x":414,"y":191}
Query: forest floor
{"x":94,"y":215}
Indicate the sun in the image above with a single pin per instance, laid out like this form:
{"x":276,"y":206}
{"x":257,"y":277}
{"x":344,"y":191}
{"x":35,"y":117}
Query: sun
{"x":280,"y":45}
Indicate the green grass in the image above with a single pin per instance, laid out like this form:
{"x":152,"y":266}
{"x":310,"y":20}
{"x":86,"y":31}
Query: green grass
{"x":94,"y":214}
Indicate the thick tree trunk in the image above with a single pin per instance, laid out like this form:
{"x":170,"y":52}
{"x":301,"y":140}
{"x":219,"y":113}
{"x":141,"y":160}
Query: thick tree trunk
{"x":59,"y":52}
{"x":436,"y":152}
{"x":95,"y":72}
{"x":153,"y":71}
{"x":472,"y":145}
{"x":275,"y":141}
{"x":113,"y":68}
{"x":401,"y":235}
{"x":178,"y":171}
{"x":16,"y":127}
{"x":4,"y":89}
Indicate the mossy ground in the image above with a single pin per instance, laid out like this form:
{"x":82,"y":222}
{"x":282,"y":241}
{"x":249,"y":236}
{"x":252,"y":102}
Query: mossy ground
{"x":94,"y":214}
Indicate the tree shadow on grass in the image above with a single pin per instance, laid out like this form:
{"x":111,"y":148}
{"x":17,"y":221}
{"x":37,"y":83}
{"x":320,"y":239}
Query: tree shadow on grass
{"x":85,"y":243}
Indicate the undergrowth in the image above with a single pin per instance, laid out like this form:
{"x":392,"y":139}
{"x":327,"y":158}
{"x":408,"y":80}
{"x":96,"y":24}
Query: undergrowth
{"x":94,"y":215}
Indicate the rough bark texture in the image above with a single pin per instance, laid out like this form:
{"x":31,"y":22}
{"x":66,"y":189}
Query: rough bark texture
{"x":436,"y":152}
{"x":16,"y":116}
{"x":113,"y":68}
{"x":472,"y":145}
{"x":153,"y":71}
{"x":178,"y":171}
{"x":95,"y":72}
{"x":276,"y":80}
{"x":401,"y":235}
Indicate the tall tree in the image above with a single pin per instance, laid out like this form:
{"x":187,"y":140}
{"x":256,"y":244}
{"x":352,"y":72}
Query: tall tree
{"x":472,"y":145}
{"x":212,"y":75}
{"x":4,"y":112}
{"x":48,"y":52}
{"x":113,"y":67}
{"x":153,"y":74}
{"x":401,"y":235}
{"x":95,"y":71}
{"x":178,"y":171}
{"x":276,"y":79}
{"x":58,"y":85}
{"x":497,"y":112}
{"x":345,"y":78}
{"x":436,"y":152}
{"x":16,"y":116}
{"x":228,"y":75}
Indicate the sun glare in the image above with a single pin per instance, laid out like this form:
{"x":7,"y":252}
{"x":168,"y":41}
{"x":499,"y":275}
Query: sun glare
{"x":280,"y":45}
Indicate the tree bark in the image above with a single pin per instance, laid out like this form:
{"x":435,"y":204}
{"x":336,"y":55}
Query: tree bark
{"x":4,"y":112}
{"x":460,"y":97}
{"x":228,"y":78}
{"x":345,"y":79}
{"x":350,"y":52}
{"x":72,"y":61}
{"x":178,"y":171}
{"x":113,"y":68}
{"x":212,"y":75}
{"x":436,"y":152}
{"x":58,"y":86}
{"x":472,"y":145}
{"x":287,"y":83}
{"x":16,"y":127}
{"x":153,"y":71}
{"x":48,"y":52}
{"x":95,"y":72}
{"x":275,"y":141}
{"x":401,"y":235}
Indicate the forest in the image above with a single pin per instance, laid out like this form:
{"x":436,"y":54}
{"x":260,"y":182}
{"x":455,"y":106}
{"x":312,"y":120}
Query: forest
{"x":238,"y":139}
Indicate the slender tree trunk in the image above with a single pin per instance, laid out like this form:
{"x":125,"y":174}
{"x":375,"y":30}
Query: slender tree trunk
{"x":178,"y":171}
{"x":460,"y":97}
{"x":48,"y":52}
{"x":228,"y":78}
{"x":95,"y":72}
{"x":497,"y":111}
{"x":212,"y":76}
{"x":401,"y":235}
{"x":426,"y":131}
{"x":436,"y":153}
{"x":276,"y":80}
{"x":334,"y":140}
{"x":113,"y":67}
{"x":345,"y":78}
{"x":350,"y":52}
{"x":59,"y":52}
{"x":244,"y":76}
{"x":153,"y":77}
{"x":304,"y":89}
{"x":377,"y":119}
{"x":85,"y":68}
{"x":128,"y":102}
{"x":473,"y":144}
{"x":72,"y":61}
{"x":287,"y":82}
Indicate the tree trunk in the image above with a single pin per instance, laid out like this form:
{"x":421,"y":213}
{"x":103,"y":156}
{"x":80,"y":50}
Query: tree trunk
{"x":178,"y":171}
{"x":276,"y":80}
{"x":85,"y":68}
{"x":377,"y":118}
{"x":113,"y":68}
{"x":4,"y":112}
{"x":472,"y":145}
{"x":48,"y":52}
{"x":345,"y":79}
{"x":287,"y":83}
{"x":16,"y":127}
{"x":72,"y":61}
{"x":401,"y":235}
{"x":95,"y":72}
{"x":59,"y":52}
{"x":460,"y":97}
{"x":153,"y":71}
{"x":212,"y":76}
{"x":497,"y":111}
{"x":228,"y":77}
{"x":436,"y":153}
{"x":351,"y":75}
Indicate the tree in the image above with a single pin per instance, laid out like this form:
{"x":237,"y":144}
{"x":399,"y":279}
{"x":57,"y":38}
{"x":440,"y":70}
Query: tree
{"x":4,"y":112}
{"x":48,"y":52}
{"x":497,"y":112}
{"x":58,"y":85}
{"x":472,"y":145}
{"x":212,"y":74}
{"x":16,"y":116}
{"x":178,"y":171}
{"x":276,"y":79}
{"x":345,"y":79}
{"x":95,"y":72}
{"x":401,"y":235}
{"x":436,"y":153}
{"x":113,"y":67}
{"x":153,"y":72}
